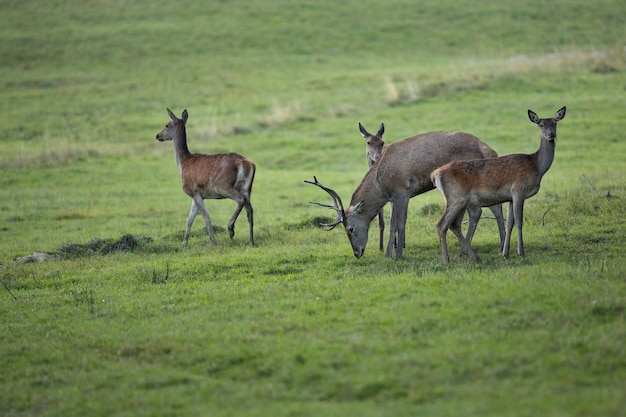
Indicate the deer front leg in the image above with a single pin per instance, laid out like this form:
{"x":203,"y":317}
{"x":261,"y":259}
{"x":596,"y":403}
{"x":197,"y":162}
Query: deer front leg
{"x":381,"y":228}
{"x":392,"y":233}
{"x":401,"y":209}
{"x":192,"y":215}
{"x":199,"y":202}
{"x":510,"y":221}
{"x":518,"y":210}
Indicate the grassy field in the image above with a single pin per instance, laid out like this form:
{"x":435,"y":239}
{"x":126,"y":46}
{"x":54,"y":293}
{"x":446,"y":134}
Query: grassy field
{"x":296,"y":326}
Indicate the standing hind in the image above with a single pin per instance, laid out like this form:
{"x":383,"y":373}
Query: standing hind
{"x":227,"y":175}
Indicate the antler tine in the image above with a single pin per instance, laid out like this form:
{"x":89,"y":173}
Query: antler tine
{"x":337,"y":204}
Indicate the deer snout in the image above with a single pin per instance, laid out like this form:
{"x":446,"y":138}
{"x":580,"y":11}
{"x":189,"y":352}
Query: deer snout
{"x":358,"y":252}
{"x":549,"y":135}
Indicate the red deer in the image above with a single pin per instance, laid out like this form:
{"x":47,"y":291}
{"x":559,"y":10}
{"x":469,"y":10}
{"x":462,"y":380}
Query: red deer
{"x":402,"y":172}
{"x":227,"y":175}
{"x":510,"y":178}
{"x":373,"y":149}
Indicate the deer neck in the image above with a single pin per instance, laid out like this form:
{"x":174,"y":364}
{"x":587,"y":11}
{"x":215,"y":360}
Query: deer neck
{"x":545,"y":156}
{"x":371,"y":194}
{"x":181,"y":151}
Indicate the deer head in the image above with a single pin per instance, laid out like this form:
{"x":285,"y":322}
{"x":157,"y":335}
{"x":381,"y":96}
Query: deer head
{"x":547,"y":126}
{"x":374,"y":143}
{"x":355,"y":223}
{"x":170,"y":129}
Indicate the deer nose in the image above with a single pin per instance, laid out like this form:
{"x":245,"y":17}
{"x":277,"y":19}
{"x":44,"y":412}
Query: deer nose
{"x":358,"y":252}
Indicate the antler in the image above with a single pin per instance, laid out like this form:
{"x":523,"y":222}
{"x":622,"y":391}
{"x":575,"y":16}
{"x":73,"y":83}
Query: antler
{"x":337,"y":204}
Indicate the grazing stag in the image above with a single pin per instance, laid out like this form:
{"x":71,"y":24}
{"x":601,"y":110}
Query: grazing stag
{"x":510,"y":178}
{"x":227,"y":175}
{"x":402,"y":172}
{"x":373,"y":149}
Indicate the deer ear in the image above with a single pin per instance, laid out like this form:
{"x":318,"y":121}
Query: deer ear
{"x":359,"y":207}
{"x":381,"y":130}
{"x":185,"y":115}
{"x":533,"y":117}
{"x":560,"y":114}
{"x":171,"y":114}
{"x":364,"y":132}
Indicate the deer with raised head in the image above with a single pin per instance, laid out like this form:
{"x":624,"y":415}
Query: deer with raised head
{"x":226,"y":175}
{"x":373,"y":149}
{"x":511,"y":178}
{"x":402,"y":172}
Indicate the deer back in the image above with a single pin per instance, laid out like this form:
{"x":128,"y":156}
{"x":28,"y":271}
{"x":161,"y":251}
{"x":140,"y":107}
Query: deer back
{"x":405,"y":166}
{"x":489,"y":181}
{"x":216,"y":176}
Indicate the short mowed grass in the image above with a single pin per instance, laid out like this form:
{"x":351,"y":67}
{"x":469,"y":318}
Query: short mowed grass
{"x":296,"y":325}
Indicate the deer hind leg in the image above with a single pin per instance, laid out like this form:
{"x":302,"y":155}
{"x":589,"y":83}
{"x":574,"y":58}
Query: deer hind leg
{"x":497,"y":212}
{"x":451,"y":219}
{"x":200,"y":206}
{"x":233,"y":219}
{"x":242,"y":197}
{"x":474,"y":214}
{"x":442,"y":230}
{"x":250,"y":214}
{"x":242,"y":202}
{"x":455,"y":227}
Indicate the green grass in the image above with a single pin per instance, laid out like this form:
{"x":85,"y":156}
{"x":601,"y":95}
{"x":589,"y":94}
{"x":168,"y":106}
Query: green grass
{"x":296,"y":325}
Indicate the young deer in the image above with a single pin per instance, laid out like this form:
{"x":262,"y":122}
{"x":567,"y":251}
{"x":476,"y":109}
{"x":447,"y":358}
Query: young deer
{"x":510,"y":178}
{"x":373,"y":149}
{"x":402,"y":172}
{"x":227,"y":175}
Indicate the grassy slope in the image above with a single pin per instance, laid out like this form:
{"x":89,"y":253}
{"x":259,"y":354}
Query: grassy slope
{"x":297,"y":325}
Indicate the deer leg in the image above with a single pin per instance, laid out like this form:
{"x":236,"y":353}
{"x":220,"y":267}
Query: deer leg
{"x":199,"y":202}
{"x":442,"y":230}
{"x":510,"y":221}
{"x":381,"y":228}
{"x":400,"y":208}
{"x":250,"y":212}
{"x":451,"y":219}
{"x":243,"y":201}
{"x":192,"y":215}
{"x":231,"y":222}
{"x":473,"y":213}
{"x":392,"y":233}
{"x":455,"y":227}
{"x":518,"y":210}
{"x":497,"y":212}
{"x":444,"y":245}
